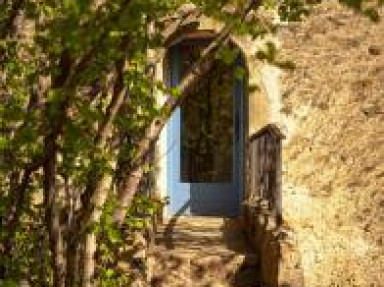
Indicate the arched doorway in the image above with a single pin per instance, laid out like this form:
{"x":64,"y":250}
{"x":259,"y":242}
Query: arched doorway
{"x":205,"y":137}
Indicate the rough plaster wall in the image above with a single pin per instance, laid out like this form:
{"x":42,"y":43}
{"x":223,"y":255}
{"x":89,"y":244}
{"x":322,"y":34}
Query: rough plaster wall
{"x":333,"y":111}
{"x":263,"y":94}
{"x":161,"y":150}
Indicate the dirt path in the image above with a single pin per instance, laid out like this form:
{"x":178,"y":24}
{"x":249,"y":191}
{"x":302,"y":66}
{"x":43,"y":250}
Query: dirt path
{"x":202,"y":251}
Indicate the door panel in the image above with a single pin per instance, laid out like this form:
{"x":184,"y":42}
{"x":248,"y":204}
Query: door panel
{"x":204,"y":142}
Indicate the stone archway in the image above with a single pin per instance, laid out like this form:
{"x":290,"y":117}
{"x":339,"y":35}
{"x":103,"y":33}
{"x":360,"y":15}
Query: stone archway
{"x":262,"y":100}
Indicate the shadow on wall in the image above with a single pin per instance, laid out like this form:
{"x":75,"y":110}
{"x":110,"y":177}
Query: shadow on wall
{"x":279,"y":263}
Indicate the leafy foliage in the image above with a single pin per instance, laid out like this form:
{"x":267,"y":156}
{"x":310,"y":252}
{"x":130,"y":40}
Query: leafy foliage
{"x":113,"y":240}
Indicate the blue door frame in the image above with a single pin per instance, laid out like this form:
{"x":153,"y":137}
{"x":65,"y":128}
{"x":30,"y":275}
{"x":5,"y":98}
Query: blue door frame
{"x":190,"y":198}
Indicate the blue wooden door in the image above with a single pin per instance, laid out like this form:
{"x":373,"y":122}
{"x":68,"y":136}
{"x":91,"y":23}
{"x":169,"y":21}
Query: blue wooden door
{"x":205,"y":140}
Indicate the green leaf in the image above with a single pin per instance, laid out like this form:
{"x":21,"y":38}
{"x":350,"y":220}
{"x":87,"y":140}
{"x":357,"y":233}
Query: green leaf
{"x":372,"y":14}
{"x":114,"y":235}
{"x":268,"y":52}
{"x":3,"y":142}
{"x":293,"y":10}
{"x":116,"y":34}
{"x":175,"y":92}
{"x":8,"y":283}
{"x":228,"y":55}
{"x":239,"y":73}
{"x":356,"y":4}
{"x":109,"y":273}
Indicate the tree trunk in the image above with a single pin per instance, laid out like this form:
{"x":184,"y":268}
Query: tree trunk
{"x":125,"y":193}
{"x":72,"y":270}
{"x":96,"y":205}
{"x":56,"y":245}
{"x":52,"y":213}
{"x":88,"y":260}
{"x":96,"y":196}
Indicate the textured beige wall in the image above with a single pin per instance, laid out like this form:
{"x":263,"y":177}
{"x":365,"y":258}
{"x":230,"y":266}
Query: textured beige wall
{"x":161,"y":149}
{"x":333,"y":112}
{"x":264,"y":97}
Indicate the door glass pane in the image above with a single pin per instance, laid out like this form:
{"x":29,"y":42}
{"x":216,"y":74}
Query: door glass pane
{"x":207,"y":123}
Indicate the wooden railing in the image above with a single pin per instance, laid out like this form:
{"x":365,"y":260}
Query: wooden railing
{"x":264,"y":171}
{"x":274,"y":242}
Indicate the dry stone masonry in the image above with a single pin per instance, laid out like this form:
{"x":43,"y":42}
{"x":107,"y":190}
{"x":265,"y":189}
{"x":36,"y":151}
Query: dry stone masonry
{"x":333,"y":157}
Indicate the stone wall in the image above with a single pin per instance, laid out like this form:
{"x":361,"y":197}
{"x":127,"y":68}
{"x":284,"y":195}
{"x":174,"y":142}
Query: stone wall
{"x":333,"y":157}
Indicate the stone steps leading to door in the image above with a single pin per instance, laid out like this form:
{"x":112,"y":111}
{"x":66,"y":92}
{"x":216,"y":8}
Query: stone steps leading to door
{"x":202,"y":251}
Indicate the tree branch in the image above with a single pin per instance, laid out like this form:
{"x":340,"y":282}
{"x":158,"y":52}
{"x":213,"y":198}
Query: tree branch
{"x":94,"y":194}
{"x":199,"y":69}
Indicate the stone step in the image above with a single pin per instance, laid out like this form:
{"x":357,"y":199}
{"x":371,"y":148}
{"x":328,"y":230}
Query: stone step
{"x":202,"y":251}
{"x":213,"y":270}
